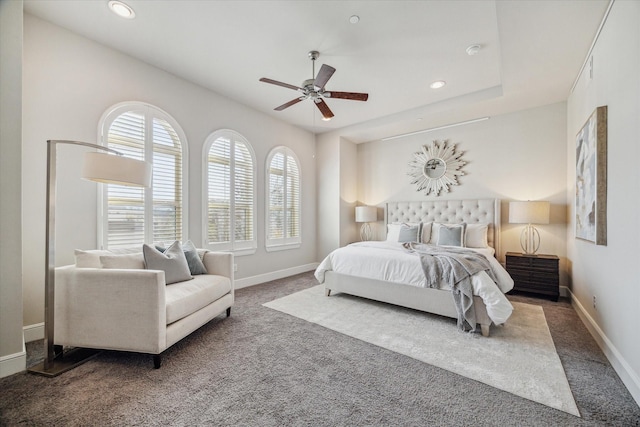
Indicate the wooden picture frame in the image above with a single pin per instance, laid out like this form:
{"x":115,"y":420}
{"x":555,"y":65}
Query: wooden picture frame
{"x":591,"y":179}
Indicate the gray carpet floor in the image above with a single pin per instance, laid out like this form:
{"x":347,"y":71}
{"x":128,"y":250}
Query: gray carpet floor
{"x":261,"y":367}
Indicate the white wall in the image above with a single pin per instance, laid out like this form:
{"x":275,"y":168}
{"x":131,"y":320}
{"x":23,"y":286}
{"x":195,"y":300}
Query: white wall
{"x":69,"y":82}
{"x":348,"y":191}
{"x":517,"y":156}
{"x":610,"y":273}
{"x":12,"y":354}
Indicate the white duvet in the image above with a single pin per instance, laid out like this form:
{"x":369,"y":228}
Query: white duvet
{"x":390,"y":262}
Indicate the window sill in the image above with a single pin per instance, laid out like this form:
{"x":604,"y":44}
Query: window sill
{"x":285,"y":247}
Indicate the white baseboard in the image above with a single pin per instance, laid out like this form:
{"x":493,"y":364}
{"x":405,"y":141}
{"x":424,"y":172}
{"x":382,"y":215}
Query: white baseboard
{"x":274,"y":275}
{"x":33,"y":332}
{"x":626,"y":373}
{"x":13,"y":363}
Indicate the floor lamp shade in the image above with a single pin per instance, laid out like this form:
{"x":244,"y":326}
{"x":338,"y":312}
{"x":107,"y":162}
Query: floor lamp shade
{"x":98,"y":167}
{"x":110,"y":169}
{"x":529,"y":212}
{"x":366,"y":214}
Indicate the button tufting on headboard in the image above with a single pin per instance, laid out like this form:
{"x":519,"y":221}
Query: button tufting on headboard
{"x":451,"y":211}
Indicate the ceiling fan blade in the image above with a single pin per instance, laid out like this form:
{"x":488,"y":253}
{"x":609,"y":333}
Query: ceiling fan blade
{"x":324,"y":108}
{"x":277,"y":83}
{"x":355,"y":96}
{"x":325,"y":73}
{"x":289,"y":104}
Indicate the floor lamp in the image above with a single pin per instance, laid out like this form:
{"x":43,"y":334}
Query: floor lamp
{"x":99,"y":167}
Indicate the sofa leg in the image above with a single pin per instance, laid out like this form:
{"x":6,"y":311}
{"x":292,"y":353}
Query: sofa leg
{"x":157,"y":361}
{"x":228,"y":311}
{"x":57,"y":350}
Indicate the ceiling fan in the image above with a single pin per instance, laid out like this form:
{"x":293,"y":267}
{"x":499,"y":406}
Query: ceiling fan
{"x":314,"y":89}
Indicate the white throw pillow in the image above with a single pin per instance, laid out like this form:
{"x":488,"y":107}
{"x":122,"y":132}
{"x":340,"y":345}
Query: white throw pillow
{"x":124,"y":261}
{"x":89,"y":259}
{"x":476,"y":236}
{"x":425,"y":234}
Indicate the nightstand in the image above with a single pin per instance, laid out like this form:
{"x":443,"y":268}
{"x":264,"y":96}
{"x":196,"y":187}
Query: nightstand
{"x":535,"y":274}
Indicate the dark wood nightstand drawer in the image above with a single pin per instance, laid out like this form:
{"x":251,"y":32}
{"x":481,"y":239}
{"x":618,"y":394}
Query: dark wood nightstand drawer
{"x":537,"y":274}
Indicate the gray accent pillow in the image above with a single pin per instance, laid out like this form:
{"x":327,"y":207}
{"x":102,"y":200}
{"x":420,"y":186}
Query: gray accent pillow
{"x":193,"y":259}
{"x":173,"y":262}
{"x":451,"y":235}
{"x":409,"y":233}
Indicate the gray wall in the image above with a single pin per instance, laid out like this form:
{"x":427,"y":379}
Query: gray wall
{"x":610,"y":273}
{"x":12,"y":357}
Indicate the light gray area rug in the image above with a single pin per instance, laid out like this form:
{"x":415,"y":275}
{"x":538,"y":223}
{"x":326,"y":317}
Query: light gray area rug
{"x":519,"y":357}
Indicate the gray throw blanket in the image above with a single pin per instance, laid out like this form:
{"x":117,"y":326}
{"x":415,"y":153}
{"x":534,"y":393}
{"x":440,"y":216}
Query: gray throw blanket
{"x":454,"y":266}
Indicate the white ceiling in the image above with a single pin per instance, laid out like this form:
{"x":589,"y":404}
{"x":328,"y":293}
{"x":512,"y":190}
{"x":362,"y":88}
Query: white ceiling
{"x":531,"y":53}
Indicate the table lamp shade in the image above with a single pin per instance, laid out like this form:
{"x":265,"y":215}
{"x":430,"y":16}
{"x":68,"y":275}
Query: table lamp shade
{"x":529,"y":212}
{"x":366,"y":214}
{"x":113,"y":169}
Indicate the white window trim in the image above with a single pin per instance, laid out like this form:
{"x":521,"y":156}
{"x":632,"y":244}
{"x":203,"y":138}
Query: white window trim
{"x":238,"y":250}
{"x":273,"y":245}
{"x":104,"y":124}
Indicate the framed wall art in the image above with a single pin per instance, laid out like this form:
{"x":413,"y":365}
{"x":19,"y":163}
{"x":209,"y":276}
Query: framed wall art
{"x":591,"y":179}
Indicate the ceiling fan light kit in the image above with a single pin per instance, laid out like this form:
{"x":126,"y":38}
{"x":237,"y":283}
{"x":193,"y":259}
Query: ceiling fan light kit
{"x":314,"y":89}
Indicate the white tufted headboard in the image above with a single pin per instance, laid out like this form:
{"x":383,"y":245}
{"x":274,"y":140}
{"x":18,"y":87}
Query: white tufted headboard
{"x":450,"y":211}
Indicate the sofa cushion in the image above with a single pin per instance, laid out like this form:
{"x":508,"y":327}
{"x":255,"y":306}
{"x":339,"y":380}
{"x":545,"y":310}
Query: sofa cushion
{"x":184,"y":298}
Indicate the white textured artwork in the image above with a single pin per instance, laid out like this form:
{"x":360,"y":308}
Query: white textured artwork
{"x":436,"y":167}
{"x":590,"y":213}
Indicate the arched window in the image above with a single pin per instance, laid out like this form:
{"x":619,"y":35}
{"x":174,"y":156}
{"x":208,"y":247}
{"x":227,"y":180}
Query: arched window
{"x":230,"y":193}
{"x":283,"y":200}
{"x":131,"y":216}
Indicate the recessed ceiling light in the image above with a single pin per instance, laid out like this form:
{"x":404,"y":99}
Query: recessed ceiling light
{"x":354,"y":19}
{"x":474,"y":49}
{"x":437,"y":84}
{"x":121,"y":9}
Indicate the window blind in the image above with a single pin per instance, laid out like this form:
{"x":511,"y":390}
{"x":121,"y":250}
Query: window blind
{"x":167,"y":183}
{"x":283,"y":203}
{"x":125,"y":205}
{"x":230,"y":193}
{"x":132,"y":215}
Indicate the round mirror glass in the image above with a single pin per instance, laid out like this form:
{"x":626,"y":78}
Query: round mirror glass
{"x":434,"y":168}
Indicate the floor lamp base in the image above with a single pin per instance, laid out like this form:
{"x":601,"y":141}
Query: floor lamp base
{"x":64,"y":362}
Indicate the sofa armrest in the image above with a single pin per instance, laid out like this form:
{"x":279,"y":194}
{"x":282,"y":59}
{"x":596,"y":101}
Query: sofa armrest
{"x":110,"y":309}
{"x":220,"y":263}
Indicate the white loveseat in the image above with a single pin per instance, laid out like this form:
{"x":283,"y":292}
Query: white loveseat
{"x":133,"y":309}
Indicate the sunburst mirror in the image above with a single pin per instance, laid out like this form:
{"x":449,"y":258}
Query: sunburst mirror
{"x":436,"y":167}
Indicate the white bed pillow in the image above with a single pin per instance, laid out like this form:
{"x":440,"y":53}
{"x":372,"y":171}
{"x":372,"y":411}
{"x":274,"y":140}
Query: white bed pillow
{"x":403,"y":232}
{"x":425,"y":233}
{"x":476,"y":236}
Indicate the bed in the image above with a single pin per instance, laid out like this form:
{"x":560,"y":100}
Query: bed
{"x":386,"y":271}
